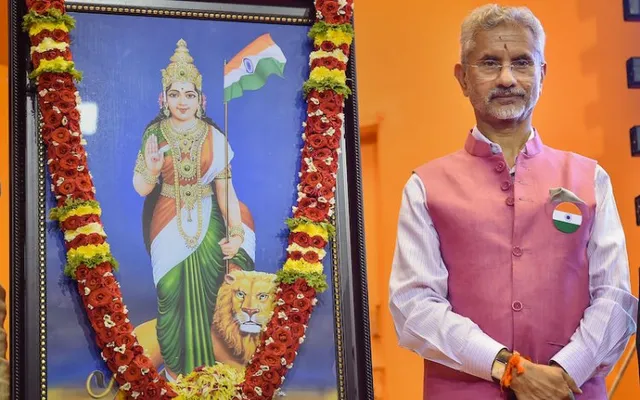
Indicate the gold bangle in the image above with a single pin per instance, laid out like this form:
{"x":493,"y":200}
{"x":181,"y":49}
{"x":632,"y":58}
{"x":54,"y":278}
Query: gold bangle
{"x":236,"y":231}
{"x":224,"y":174}
{"x":150,"y":179}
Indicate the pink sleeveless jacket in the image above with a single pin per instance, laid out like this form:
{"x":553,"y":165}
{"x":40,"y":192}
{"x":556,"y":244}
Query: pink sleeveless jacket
{"x":511,"y":271}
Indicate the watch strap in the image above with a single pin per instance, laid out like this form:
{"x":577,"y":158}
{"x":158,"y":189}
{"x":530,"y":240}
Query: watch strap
{"x":500,"y":365}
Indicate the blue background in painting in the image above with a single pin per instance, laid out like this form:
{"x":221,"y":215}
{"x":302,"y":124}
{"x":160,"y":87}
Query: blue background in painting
{"x":121,"y":58}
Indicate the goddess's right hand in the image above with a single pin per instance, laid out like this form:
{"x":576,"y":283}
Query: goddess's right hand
{"x":153,"y":157}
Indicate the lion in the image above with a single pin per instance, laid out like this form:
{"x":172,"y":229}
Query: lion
{"x":244,"y":306}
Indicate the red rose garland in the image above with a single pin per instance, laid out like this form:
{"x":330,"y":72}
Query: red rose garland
{"x":89,"y":260}
{"x":296,"y":295}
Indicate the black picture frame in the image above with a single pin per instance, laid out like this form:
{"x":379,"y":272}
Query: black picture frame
{"x":28,"y":299}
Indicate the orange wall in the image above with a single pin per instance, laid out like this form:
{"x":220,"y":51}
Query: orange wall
{"x":4,"y":153}
{"x":406,"y":52}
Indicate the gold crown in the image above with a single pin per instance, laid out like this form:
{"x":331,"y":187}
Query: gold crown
{"x":181,"y":68}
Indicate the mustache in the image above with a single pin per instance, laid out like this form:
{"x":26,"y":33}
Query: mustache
{"x":497,"y":92}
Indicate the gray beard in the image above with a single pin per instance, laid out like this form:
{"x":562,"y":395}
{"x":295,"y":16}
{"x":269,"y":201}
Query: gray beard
{"x":507,"y":112}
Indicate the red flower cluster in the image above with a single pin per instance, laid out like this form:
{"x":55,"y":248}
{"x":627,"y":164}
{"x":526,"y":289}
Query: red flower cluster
{"x":124,"y":356}
{"x":283,"y":336}
{"x":333,"y":13}
{"x":42,"y":6}
{"x":66,"y":157}
{"x":303,"y":240}
{"x":323,"y":131}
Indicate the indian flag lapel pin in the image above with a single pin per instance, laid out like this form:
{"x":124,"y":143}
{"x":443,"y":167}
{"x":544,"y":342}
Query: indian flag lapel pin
{"x":567,"y":217}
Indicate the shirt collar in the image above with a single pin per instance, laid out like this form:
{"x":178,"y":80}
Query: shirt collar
{"x":495,"y":147}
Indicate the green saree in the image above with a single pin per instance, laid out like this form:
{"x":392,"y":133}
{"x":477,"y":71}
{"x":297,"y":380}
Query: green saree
{"x":187,"y":297}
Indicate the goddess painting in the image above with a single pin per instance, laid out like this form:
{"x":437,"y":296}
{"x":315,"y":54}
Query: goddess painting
{"x":183,"y":171}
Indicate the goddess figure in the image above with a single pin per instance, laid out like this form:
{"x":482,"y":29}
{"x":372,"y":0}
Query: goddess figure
{"x":184,"y":172}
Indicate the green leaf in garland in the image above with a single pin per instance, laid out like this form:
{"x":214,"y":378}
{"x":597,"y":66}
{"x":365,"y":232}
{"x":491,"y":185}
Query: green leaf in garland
{"x":58,"y":66}
{"x":73,"y":263}
{"x":314,"y":280}
{"x":70,"y":205}
{"x":53,"y":16}
{"x":326,"y":84}
{"x":293,"y":223}
{"x":322,"y":27}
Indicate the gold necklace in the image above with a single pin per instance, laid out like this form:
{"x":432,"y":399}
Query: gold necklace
{"x":188,"y":141}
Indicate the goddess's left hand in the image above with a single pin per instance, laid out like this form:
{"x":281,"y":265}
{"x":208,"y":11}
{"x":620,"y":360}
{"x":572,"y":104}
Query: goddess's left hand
{"x":230,"y":248}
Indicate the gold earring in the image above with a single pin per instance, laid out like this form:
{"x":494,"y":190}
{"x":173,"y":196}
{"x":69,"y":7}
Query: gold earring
{"x":165,"y":111}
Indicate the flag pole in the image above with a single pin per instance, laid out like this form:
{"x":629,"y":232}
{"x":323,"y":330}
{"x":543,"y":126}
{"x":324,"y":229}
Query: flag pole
{"x":226,"y":165}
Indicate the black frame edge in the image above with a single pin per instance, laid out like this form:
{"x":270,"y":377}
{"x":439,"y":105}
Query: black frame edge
{"x":361,"y":320}
{"x":17,"y":119}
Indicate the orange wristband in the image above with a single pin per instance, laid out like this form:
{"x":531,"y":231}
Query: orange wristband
{"x":514,"y":362}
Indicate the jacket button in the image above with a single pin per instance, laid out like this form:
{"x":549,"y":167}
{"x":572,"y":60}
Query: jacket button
{"x":505,"y":185}
{"x":516,"y":306}
{"x":509,"y":201}
{"x":500,"y":166}
{"x":517,"y":251}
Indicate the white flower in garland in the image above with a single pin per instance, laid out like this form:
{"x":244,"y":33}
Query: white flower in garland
{"x":108,"y":322}
{"x":329,"y":132}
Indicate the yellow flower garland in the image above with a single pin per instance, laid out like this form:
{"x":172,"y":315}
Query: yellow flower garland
{"x":312,"y":230}
{"x":49,"y":44}
{"x":216,"y":382}
{"x":50,"y":26}
{"x":80,"y":211}
{"x":325,"y":74}
{"x":57,"y":64}
{"x":88,"y":229}
{"x":89,"y":251}
{"x":301,"y":266}
{"x":337,"y":53}
{"x":335,"y":36}
{"x":296,"y":247}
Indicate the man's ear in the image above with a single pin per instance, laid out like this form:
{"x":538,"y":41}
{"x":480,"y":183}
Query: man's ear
{"x":461,"y":75}
{"x":543,"y":74}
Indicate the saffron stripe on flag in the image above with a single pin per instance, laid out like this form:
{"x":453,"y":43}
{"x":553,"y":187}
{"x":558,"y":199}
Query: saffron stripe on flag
{"x":250,"y":68}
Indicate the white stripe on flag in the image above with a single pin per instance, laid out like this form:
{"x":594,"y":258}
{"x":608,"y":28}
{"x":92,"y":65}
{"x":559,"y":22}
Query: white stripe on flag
{"x":271,"y":52}
{"x":567,"y":217}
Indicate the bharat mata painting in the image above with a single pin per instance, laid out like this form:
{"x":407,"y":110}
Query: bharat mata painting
{"x":193,"y":136}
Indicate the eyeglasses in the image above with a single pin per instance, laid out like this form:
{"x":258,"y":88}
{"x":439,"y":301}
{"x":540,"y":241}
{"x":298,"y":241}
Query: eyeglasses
{"x":491,"y":69}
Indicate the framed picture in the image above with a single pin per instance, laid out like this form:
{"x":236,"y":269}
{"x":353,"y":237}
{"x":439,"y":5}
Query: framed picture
{"x":186,"y":201}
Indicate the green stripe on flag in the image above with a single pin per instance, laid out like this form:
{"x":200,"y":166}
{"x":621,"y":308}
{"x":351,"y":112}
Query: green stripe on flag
{"x":265,"y":68}
{"x":565,"y":226}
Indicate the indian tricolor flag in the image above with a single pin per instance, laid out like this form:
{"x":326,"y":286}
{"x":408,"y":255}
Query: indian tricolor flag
{"x":250,"y":68}
{"x":567,"y":217}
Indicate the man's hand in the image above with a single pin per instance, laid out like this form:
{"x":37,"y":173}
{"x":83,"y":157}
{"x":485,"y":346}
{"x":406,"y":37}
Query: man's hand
{"x":542,"y":382}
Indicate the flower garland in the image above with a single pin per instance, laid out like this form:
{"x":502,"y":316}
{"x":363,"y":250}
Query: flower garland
{"x":89,"y":259}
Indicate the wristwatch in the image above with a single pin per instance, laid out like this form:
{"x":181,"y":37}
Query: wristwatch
{"x":500,"y":365}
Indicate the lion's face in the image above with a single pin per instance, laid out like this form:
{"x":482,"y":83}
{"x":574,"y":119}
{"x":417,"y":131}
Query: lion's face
{"x":244,"y":306}
{"x":252,"y":302}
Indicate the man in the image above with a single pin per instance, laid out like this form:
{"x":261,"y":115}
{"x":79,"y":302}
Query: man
{"x":509,"y":245}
